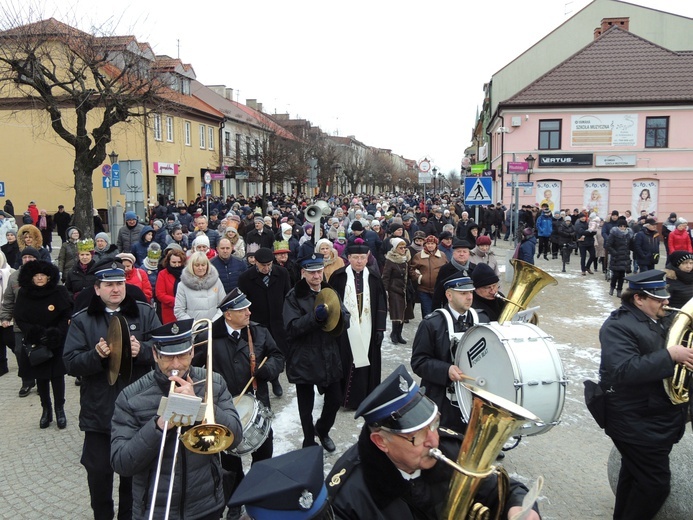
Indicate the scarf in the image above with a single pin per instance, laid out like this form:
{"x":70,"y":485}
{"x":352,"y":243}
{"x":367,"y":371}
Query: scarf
{"x":396,"y":258}
{"x":42,"y":222}
{"x":685,"y":277}
{"x":176,"y":272}
{"x":460,"y":267}
{"x":359,"y":330}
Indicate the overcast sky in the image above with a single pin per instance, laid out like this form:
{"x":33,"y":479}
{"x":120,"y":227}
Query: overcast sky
{"x":404,"y":75}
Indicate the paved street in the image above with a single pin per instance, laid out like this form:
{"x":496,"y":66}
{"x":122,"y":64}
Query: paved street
{"x":41,"y":476}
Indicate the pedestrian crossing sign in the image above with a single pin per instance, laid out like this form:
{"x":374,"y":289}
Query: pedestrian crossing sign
{"x":478,"y":191}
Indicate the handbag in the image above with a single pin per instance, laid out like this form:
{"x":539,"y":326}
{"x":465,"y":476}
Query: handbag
{"x":38,"y":354}
{"x":595,"y":399}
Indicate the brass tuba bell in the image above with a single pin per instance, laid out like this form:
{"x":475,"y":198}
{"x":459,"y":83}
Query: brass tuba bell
{"x":679,"y":333}
{"x":528,"y":280}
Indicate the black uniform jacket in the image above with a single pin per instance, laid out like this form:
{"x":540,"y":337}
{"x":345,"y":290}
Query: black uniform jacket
{"x":313,"y":356}
{"x":364,"y":483}
{"x":634,"y":363}
{"x":97,"y":397}
{"x":231,"y":359}
{"x":431,"y":359}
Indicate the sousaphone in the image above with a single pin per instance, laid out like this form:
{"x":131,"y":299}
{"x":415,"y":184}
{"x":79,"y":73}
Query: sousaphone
{"x":120,"y":359}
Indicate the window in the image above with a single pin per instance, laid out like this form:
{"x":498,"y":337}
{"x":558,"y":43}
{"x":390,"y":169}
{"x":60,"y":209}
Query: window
{"x":657,"y":132}
{"x":239,"y":144}
{"x":248,"y":150}
{"x":202,"y":136}
{"x":188,"y":133}
{"x":550,"y":134}
{"x":210,"y":142}
{"x":169,"y":129}
{"x":157,"y":127}
{"x":227,"y":144}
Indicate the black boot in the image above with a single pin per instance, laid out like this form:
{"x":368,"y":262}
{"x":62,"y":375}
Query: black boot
{"x":618,"y":293}
{"x":400,"y":339}
{"x":611,"y":291}
{"x":46,"y":417}
{"x":60,"y":418}
{"x":393,"y":334}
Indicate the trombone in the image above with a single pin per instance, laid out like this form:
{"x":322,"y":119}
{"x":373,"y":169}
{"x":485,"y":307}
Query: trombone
{"x":207,"y":438}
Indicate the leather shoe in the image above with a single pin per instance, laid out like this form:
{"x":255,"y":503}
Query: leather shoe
{"x":46,"y":417}
{"x":60,"y":418}
{"x":25,"y":390}
{"x":277,"y":388}
{"x":327,"y":443}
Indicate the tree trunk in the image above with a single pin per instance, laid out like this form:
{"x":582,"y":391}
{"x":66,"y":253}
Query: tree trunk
{"x":84,"y":201}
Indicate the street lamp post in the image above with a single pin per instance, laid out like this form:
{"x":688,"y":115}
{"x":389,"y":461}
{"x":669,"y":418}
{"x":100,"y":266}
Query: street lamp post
{"x":113,"y":157}
{"x":433,"y":177}
{"x":530,"y":165}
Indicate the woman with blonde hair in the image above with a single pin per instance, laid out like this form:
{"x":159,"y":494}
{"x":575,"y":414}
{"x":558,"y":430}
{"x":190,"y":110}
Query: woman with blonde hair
{"x":200,"y":290}
{"x":331,"y":257}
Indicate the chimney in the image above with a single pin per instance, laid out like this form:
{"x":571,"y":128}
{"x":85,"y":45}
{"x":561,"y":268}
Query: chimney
{"x":597,"y":32}
{"x":228,"y":93}
{"x":252,"y":103}
{"x":608,"y":23}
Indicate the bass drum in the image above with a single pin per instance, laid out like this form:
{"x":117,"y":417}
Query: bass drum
{"x":256,"y":419}
{"x":517,"y":361}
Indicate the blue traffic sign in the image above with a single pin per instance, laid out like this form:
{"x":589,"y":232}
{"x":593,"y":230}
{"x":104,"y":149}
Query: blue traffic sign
{"x":115,"y":173}
{"x":2,"y":189}
{"x":478,"y":191}
{"x":106,"y":182}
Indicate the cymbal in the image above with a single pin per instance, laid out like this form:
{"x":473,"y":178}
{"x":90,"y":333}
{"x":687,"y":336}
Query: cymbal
{"x":120,"y":359}
{"x":330,"y":299}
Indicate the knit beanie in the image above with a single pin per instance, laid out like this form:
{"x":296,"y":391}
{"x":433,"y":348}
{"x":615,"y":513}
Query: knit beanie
{"x":103,"y":236}
{"x":483,"y":275}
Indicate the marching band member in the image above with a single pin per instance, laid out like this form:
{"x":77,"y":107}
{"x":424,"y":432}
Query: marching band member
{"x":641,"y":420}
{"x":390,"y":475}
{"x":238,"y":348}
{"x":313,"y":353}
{"x":86,"y":354}
{"x":486,"y":288}
{"x":431,"y":358}
{"x":137,"y":429}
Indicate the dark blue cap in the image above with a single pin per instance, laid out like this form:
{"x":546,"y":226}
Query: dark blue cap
{"x":653,"y":283}
{"x":234,"y":301}
{"x":108,"y":270}
{"x":458,"y":283}
{"x":174,"y":338}
{"x":313,"y":263}
{"x":397,"y":404}
{"x":287,"y":487}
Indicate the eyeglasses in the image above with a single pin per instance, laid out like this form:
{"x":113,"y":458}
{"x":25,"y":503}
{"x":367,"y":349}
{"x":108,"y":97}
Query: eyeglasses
{"x":419,"y":437}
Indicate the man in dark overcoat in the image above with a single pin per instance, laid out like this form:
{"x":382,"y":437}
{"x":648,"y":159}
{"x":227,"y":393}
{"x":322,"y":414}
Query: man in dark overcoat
{"x":266,"y":285}
{"x":361,"y":289}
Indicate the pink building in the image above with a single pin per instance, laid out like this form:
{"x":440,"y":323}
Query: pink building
{"x":609,"y":128}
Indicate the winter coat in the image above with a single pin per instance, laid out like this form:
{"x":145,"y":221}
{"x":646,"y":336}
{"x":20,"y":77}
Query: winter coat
{"x":229,"y":271}
{"x":138,"y":277}
{"x":582,"y":230}
{"x":428,"y":267}
{"x":11,"y":252}
{"x":78,"y":279}
{"x":43,"y":315}
{"x":199,"y":297}
{"x":566,"y":233}
{"x":139,"y":249}
{"x":197,"y":483}
{"x":680,"y":286}
{"x":231,"y":359}
{"x":680,"y":240}
{"x":267,"y":301}
{"x":477,"y":256}
{"x":395,"y":281}
{"x":333,"y":263}
{"x":97,"y":397}
{"x":634,"y":362}
{"x":127,"y":237}
{"x":166,"y":293}
{"x":313,"y":354}
{"x":618,"y":245}
{"x":544,"y":225}
{"x":68,"y":255}
{"x":645,"y":246}
{"x":527,"y":248}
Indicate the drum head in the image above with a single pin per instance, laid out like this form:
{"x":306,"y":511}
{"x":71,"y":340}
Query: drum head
{"x":246,"y":409}
{"x":120,"y":359}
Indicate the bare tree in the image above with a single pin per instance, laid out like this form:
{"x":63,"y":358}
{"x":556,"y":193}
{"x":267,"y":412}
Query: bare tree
{"x":86,"y":83}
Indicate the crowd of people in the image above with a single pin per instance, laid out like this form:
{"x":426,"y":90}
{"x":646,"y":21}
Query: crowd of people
{"x":265,"y":280}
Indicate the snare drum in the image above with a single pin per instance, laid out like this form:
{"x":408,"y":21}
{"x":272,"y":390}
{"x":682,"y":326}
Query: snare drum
{"x":256,"y":419}
{"x":517,"y":361}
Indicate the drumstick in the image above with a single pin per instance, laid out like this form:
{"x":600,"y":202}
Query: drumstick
{"x":480,"y":381}
{"x":238,"y":397}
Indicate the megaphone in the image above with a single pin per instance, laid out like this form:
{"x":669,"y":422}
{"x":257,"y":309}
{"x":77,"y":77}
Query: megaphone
{"x":316,"y":211}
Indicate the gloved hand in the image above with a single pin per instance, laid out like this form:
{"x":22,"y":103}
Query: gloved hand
{"x":321,"y":312}
{"x":379,"y":336}
{"x":262,"y":373}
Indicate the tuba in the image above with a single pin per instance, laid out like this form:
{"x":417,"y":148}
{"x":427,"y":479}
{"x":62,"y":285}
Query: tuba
{"x":528,"y":280}
{"x":493,"y":420}
{"x":679,"y":333}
